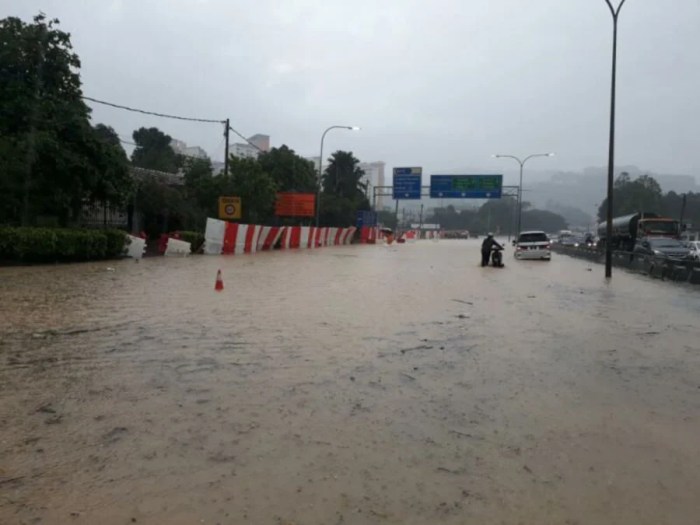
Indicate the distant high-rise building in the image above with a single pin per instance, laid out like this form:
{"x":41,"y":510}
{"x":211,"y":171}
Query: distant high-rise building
{"x":251,"y":149}
{"x":374,"y":175}
{"x":181,"y":148}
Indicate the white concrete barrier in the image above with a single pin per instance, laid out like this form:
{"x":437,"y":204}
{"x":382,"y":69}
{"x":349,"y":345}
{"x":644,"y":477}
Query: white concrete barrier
{"x":134,"y":247}
{"x":214,"y":236}
{"x":177,"y":247}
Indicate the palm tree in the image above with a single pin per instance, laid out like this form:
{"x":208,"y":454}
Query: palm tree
{"x":343,"y":176}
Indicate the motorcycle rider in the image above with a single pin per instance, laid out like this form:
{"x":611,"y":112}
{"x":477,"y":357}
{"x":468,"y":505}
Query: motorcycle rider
{"x":486,"y":247}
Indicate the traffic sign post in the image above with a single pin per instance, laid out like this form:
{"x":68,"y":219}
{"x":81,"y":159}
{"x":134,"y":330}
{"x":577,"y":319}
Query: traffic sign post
{"x":407,"y":183}
{"x":466,"y":186}
{"x":366,"y":218}
{"x":229,"y":208}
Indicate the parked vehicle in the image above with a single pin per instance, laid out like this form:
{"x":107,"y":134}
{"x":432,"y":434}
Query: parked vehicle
{"x":628,"y":228}
{"x":533,"y":245}
{"x":662,"y":247}
{"x":694,"y":247}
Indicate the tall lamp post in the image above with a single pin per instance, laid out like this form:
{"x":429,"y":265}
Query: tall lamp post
{"x":611,"y":151}
{"x":520,"y":187}
{"x":320,"y":168}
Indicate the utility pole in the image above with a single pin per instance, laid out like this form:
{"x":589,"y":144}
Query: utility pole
{"x":685,"y":197}
{"x":611,"y":146}
{"x":420,"y":221}
{"x":228,"y":127}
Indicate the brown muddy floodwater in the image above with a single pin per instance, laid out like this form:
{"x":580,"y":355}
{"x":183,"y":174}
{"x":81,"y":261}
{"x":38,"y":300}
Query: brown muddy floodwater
{"x":349,"y":385}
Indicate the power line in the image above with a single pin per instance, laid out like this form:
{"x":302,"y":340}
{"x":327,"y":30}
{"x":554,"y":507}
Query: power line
{"x":124,"y":141}
{"x":176,"y":117}
{"x":249,"y":142}
{"x":135,"y":110}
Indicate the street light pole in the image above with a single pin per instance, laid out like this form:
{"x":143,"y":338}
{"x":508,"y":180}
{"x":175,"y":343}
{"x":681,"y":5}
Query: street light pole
{"x":611,"y":150}
{"x":320,"y":169}
{"x":520,"y":187}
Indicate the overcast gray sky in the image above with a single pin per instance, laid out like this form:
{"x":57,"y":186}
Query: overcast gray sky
{"x":439,"y":84}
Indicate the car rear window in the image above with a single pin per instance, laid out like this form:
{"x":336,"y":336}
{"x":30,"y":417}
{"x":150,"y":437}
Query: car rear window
{"x":533,"y":237}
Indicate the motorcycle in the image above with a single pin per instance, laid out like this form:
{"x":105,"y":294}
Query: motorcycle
{"x":496,"y":257}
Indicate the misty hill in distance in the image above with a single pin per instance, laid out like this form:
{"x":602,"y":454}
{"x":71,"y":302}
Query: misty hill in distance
{"x":575,"y":195}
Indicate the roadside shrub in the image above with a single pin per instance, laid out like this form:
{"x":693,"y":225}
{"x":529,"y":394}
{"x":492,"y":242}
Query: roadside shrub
{"x":195,"y":239}
{"x":37,"y":245}
{"x":116,"y":240}
{"x":8,"y":243}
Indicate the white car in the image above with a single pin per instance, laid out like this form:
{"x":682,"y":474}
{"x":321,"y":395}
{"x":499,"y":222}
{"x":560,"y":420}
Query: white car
{"x":533,"y":245}
{"x":694,"y":249}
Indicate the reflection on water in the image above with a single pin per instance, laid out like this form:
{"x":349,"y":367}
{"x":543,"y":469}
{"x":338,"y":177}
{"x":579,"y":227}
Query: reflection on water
{"x":372,"y":384}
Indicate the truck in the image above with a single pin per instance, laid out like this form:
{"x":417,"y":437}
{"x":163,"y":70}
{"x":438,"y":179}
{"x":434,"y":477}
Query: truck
{"x":628,"y":228}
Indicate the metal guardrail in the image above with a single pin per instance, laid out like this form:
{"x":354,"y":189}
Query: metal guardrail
{"x":661,"y":268}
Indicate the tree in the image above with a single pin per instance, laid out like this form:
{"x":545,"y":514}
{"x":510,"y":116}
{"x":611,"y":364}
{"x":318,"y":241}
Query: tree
{"x":51,"y":159}
{"x":343,"y":176}
{"x":573,"y":216}
{"x":543,"y":220}
{"x":631,"y":196}
{"x":672,"y":204}
{"x":114,"y":183}
{"x":289,"y":171}
{"x":387,"y":219}
{"x":253,"y":185}
{"x":498,"y":215}
{"x":153,"y":151}
{"x":344,"y":192}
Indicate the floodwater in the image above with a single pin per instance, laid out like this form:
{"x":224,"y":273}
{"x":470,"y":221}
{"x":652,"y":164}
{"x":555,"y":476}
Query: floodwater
{"x":348,"y":385}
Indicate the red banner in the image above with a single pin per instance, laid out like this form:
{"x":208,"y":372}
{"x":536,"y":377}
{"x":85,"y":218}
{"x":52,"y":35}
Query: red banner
{"x":291,"y":204}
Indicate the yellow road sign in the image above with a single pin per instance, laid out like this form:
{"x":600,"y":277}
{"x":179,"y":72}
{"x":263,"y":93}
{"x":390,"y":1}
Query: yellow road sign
{"x":229,"y":207}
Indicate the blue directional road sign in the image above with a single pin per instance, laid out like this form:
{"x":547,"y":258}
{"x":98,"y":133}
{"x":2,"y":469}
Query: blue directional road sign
{"x":366,"y":218}
{"x":407,"y":183}
{"x":466,"y":186}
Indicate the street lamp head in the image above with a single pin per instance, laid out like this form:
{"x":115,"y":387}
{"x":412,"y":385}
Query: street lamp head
{"x":354,"y":128}
{"x":550,"y":154}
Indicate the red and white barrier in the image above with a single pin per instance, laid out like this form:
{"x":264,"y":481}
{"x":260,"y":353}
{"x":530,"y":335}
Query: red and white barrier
{"x":269,"y":235}
{"x":241,"y":238}
{"x":368,"y":234}
{"x":214,"y":236}
{"x":235,"y":239}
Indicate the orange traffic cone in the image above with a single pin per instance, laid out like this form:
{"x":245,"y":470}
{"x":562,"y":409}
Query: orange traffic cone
{"x":219,"y":282}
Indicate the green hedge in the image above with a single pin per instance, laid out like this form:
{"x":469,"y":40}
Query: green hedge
{"x":64,"y":245}
{"x":196,"y":239}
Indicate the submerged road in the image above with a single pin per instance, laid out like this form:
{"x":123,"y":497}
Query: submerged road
{"x":348,"y":385}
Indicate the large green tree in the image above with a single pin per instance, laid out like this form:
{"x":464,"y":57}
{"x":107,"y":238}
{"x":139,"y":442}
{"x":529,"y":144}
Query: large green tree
{"x":498,"y":215}
{"x":343,"y":177}
{"x":631,"y":196}
{"x":51,"y":159}
{"x":289,"y":171}
{"x":114,"y":184}
{"x":344,"y":191}
{"x":543,"y":220}
{"x":153,"y":151}
{"x":672,"y":206}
